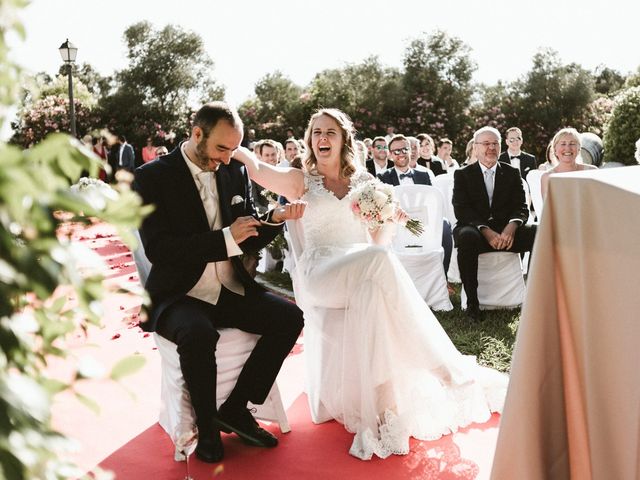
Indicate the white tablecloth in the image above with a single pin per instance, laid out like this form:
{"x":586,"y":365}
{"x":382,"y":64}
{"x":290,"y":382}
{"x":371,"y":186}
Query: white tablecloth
{"x":573,"y":406}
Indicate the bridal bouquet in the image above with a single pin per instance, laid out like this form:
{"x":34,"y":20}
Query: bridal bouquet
{"x":94,"y":191}
{"x":373,"y":203}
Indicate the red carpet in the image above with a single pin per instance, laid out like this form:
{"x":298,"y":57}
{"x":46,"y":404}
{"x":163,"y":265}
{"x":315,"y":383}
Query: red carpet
{"x":126,"y":439}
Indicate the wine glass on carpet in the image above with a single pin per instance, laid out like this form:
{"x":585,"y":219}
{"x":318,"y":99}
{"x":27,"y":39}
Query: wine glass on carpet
{"x":186,"y":444}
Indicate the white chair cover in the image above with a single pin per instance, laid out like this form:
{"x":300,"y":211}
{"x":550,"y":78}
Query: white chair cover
{"x":233,"y":348}
{"x":535,"y":188}
{"x":500,"y":281}
{"x":444,"y":183}
{"x":422,"y":256}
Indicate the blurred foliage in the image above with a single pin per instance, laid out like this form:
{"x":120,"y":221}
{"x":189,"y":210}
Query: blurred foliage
{"x":623,"y":128}
{"x":40,"y":269}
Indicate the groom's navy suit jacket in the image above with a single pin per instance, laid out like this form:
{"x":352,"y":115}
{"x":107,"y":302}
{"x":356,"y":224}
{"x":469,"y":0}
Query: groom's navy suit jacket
{"x":471,"y":201}
{"x":176,"y":236}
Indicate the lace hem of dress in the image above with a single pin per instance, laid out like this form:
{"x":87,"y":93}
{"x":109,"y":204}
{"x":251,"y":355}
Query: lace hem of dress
{"x":392,"y":439}
{"x":470,"y":402}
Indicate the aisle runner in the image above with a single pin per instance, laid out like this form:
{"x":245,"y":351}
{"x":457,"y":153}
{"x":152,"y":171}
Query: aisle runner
{"x":126,"y":438}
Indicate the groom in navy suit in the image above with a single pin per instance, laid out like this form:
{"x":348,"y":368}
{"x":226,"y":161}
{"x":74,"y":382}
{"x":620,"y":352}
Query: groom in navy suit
{"x":401,"y":174}
{"x":203,"y":219}
{"x":490,"y":205}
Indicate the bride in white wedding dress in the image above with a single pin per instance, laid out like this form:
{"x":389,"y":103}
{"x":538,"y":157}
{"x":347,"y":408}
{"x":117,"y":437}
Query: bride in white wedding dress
{"x":394,"y":373}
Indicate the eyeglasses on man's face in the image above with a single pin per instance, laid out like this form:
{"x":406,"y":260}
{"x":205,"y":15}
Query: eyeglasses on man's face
{"x":514,"y":139}
{"x":400,"y":151}
{"x":381,"y":147}
{"x":488,"y":144}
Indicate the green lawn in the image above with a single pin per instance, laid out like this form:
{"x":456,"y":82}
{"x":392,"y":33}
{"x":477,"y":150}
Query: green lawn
{"x":491,"y":341}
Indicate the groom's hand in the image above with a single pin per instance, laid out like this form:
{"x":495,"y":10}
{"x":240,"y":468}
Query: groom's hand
{"x":243,"y":228}
{"x":290,"y":211}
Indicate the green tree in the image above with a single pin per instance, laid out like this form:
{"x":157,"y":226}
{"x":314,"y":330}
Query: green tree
{"x":633,"y":80}
{"x":607,"y":81}
{"x":371,"y":94}
{"x":438,"y":73}
{"x":48,"y":115}
{"x":94,"y":82}
{"x":45,"y":109}
{"x":551,"y":95}
{"x":276,"y":106}
{"x":169,"y":74}
{"x":623,"y":128}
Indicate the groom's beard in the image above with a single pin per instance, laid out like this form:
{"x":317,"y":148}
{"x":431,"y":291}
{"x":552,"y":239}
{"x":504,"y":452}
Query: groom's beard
{"x":203,"y":160}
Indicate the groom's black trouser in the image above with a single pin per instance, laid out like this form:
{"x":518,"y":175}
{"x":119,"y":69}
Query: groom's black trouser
{"x":471,"y":243}
{"x":192,"y":325}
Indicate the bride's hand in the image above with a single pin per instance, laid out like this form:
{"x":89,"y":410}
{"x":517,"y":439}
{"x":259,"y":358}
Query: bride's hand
{"x":400,"y":216}
{"x":243,"y":155}
{"x":290,"y":211}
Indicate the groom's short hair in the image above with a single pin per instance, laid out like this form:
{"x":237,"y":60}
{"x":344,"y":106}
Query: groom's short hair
{"x":211,"y":113}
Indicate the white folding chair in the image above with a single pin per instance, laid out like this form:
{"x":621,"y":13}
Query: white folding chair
{"x":422,"y":255}
{"x":232,"y":350}
{"x":500,"y":281}
{"x":444,"y":183}
{"x":535,"y":188}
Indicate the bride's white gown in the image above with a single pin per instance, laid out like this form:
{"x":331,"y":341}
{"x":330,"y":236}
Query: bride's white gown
{"x":389,"y":371}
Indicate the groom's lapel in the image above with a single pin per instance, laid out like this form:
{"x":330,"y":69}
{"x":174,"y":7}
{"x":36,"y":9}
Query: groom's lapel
{"x":394,"y":177}
{"x":223,"y":183}
{"x":186,"y":189}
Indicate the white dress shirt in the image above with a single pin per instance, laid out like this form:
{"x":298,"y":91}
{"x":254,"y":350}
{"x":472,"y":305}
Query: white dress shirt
{"x":404,"y":180}
{"x":380,"y":169}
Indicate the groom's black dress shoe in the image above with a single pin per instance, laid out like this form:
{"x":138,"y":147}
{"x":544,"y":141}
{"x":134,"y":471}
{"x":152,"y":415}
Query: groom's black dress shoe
{"x":210,"y":448}
{"x":241,"y":422}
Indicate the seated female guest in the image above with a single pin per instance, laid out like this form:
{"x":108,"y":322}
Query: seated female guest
{"x":566,"y":147}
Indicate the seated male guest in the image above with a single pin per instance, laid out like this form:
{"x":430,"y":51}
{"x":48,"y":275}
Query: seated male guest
{"x":402,"y":174}
{"x":203,"y":220}
{"x":489,"y":203}
{"x":381,"y":160}
{"x":515,"y":156}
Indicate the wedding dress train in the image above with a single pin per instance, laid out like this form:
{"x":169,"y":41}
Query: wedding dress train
{"x":390,"y":371}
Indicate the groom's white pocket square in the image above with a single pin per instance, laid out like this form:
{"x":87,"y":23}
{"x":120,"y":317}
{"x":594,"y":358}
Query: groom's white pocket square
{"x":237,"y":199}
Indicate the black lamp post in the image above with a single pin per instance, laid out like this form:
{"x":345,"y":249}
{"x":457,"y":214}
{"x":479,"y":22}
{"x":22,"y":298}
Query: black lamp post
{"x":68,"y":52}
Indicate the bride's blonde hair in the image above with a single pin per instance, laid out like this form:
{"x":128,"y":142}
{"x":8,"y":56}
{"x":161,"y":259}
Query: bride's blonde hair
{"x":348,"y":151}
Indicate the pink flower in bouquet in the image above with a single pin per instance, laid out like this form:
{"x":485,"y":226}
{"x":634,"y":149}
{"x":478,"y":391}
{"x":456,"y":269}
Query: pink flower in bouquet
{"x":373,"y":203}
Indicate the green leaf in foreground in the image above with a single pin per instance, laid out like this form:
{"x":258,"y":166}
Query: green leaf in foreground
{"x":127,"y":366}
